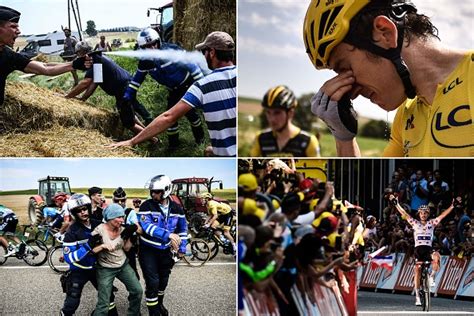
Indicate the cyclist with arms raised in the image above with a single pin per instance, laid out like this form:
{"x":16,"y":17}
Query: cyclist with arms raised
{"x":423,"y":233}
{"x":387,"y":52}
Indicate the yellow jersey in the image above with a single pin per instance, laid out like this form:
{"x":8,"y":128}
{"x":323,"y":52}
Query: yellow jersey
{"x":444,"y":128}
{"x":218,"y":208}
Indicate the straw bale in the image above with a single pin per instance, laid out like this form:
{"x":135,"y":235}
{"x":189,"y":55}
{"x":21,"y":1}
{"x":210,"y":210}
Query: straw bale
{"x":194,"y":19}
{"x":28,"y":107}
{"x":60,"y":141}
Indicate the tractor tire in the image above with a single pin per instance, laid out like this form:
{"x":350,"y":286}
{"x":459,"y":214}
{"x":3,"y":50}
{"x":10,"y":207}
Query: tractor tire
{"x":35,"y":213}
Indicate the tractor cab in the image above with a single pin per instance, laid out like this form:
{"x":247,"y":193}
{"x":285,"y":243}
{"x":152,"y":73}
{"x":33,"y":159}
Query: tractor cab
{"x":164,"y":21}
{"x":47,"y":188}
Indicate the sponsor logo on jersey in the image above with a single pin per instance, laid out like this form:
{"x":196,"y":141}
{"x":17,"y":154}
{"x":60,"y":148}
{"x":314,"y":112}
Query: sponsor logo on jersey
{"x":409,"y":124}
{"x":66,"y":250}
{"x":444,"y":124}
{"x":453,"y":84}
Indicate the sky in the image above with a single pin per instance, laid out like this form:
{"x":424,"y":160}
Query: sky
{"x":20,"y":174}
{"x":271,"y":49}
{"x":43,"y":16}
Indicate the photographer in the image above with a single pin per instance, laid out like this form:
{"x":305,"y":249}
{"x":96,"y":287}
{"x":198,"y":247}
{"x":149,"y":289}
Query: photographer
{"x":79,"y":252}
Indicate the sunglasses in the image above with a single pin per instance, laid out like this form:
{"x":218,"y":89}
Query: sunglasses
{"x":156,"y":191}
{"x":82,"y":209}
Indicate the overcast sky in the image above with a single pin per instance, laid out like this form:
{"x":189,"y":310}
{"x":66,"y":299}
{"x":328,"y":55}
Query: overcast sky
{"x":19,"y":174}
{"x":43,"y":16}
{"x":271,"y":49}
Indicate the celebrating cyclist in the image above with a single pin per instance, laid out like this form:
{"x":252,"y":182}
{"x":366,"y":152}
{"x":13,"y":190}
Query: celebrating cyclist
{"x":388,"y":52}
{"x":283,"y":138}
{"x":219,"y":214}
{"x":423,"y":234}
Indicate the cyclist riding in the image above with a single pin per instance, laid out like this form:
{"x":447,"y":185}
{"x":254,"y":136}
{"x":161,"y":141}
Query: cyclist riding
{"x":64,"y":219}
{"x":283,"y":138}
{"x":220,"y":214}
{"x":386,"y":51}
{"x":8,"y":223}
{"x":423,"y":234}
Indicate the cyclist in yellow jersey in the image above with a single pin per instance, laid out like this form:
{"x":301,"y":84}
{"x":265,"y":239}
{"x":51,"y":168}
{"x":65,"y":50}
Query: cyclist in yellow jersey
{"x":283,"y":138}
{"x":387,"y":52}
{"x":220,"y":214}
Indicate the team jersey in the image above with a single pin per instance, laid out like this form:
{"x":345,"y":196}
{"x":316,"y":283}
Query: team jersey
{"x":218,"y":208}
{"x":423,"y":234}
{"x":444,"y":128}
{"x":50,"y":212}
{"x":301,"y":144}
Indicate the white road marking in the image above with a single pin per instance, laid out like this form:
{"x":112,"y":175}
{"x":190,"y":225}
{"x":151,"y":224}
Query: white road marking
{"x":412,"y":313}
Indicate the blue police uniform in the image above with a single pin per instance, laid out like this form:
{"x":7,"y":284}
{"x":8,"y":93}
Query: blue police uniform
{"x":78,"y":254}
{"x":177,"y":77}
{"x":155,"y":255}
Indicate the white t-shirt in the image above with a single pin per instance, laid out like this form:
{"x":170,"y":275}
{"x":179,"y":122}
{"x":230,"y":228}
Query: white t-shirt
{"x":423,"y":233}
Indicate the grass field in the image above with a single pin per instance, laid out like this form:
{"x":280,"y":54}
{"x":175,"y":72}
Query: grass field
{"x":249,"y":126}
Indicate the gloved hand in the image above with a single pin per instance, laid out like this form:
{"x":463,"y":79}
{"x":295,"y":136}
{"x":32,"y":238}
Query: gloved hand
{"x":128,"y":231}
{"x":80,"y":63}
{"x":94,"y":241}
{"x":339,"y":116}
{"x":393,"y":200}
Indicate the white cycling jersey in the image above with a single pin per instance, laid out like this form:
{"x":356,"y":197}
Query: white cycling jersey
{"x":423,"y":233}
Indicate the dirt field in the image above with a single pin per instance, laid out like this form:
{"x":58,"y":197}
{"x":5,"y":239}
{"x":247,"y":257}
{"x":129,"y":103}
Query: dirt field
{"x":253,"y":108}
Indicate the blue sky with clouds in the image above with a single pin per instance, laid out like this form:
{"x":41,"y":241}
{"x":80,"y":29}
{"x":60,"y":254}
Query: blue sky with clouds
{"x":42,"y":16}
{"x":17,"y":174}
{"x":271,"y":49}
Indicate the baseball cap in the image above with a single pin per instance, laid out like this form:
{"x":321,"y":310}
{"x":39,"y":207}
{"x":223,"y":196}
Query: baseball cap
{"x":217,"y":40}
{"x":8,"y":14}
{"x":94,"y":190}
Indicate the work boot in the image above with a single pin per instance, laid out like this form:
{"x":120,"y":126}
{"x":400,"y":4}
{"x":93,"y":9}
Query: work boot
{"x":163,"y":310}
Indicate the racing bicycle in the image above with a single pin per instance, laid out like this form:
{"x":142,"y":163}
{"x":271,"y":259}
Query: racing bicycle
{"x":33,"y":251}
{"x":197,"y":252}
{"x":425,"y":295}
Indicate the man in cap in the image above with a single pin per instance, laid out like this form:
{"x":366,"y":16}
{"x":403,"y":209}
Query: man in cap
{"x":10,"y":60}
{"x":97,"y":205}
{"x":115,"y":82}
{"x":215,"y":94}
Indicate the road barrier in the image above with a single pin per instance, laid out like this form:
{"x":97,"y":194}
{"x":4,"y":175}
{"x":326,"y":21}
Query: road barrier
{"x":455,"y":277}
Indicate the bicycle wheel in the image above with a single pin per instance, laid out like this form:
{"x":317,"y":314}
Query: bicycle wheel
{"x":197,"y":252}
{"x":45,"y":237}
{"x":426,"y":293}
{"x":214,"y":247}
{"x":36,"y":252}
{"x":3,"y":252}
{"x":56,"y":260}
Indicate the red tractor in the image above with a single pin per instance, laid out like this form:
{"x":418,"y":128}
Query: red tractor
{"x":187,"y":192}
{"x":47,"y":188}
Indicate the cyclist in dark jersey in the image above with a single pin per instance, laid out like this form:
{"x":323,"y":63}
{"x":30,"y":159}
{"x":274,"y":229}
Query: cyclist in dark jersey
{"x":283,"y":138}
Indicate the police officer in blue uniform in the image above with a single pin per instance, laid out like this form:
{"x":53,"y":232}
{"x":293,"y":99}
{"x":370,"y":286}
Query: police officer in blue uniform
{"x":79,"y":252}
{"x":177,"y":77}
{"x":164,"y":232}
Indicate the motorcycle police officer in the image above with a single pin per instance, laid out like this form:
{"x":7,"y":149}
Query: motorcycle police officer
{"x":164,"y":231}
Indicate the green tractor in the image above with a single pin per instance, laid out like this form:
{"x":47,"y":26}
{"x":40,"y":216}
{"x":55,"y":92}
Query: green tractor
{"x":47,"y":188}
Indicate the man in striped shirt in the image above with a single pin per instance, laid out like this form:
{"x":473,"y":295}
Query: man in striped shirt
{"x":215,"y":94}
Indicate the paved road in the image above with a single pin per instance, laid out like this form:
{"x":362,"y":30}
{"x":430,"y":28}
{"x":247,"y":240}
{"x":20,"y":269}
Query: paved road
{"x":208,"y":290}
{"x":377,"y":303}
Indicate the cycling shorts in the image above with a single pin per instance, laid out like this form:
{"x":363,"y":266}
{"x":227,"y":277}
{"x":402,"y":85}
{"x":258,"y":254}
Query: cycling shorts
{"x":58,"y":222}
{"x":423,"y":253}
{"x":225,"y":219}
{"x":9,"y":225}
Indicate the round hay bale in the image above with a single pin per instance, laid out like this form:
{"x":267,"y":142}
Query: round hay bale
{"x":28,"y":107}
{"x":59,"y":141}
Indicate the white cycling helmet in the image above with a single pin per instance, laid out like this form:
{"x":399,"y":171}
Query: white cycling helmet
{"x":77,"y":201}
{"x":160,"y":183}
{"x":148,"y":36}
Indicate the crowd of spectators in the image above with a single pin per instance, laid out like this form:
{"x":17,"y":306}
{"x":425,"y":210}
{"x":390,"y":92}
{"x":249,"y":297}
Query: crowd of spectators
{"x":294,"y":232}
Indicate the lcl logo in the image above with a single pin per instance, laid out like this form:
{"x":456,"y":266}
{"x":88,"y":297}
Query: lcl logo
{"x":451,"y":119}
{"x":452,"y":85}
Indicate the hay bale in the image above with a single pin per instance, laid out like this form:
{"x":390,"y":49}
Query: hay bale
{"x":60,"y":141}
{"x":194,"y":19}
{"x":28,"y":107}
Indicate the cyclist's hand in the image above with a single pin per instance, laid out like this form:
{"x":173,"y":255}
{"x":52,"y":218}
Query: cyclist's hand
{"x":393,"y":199}
{"x":333,"y":105}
